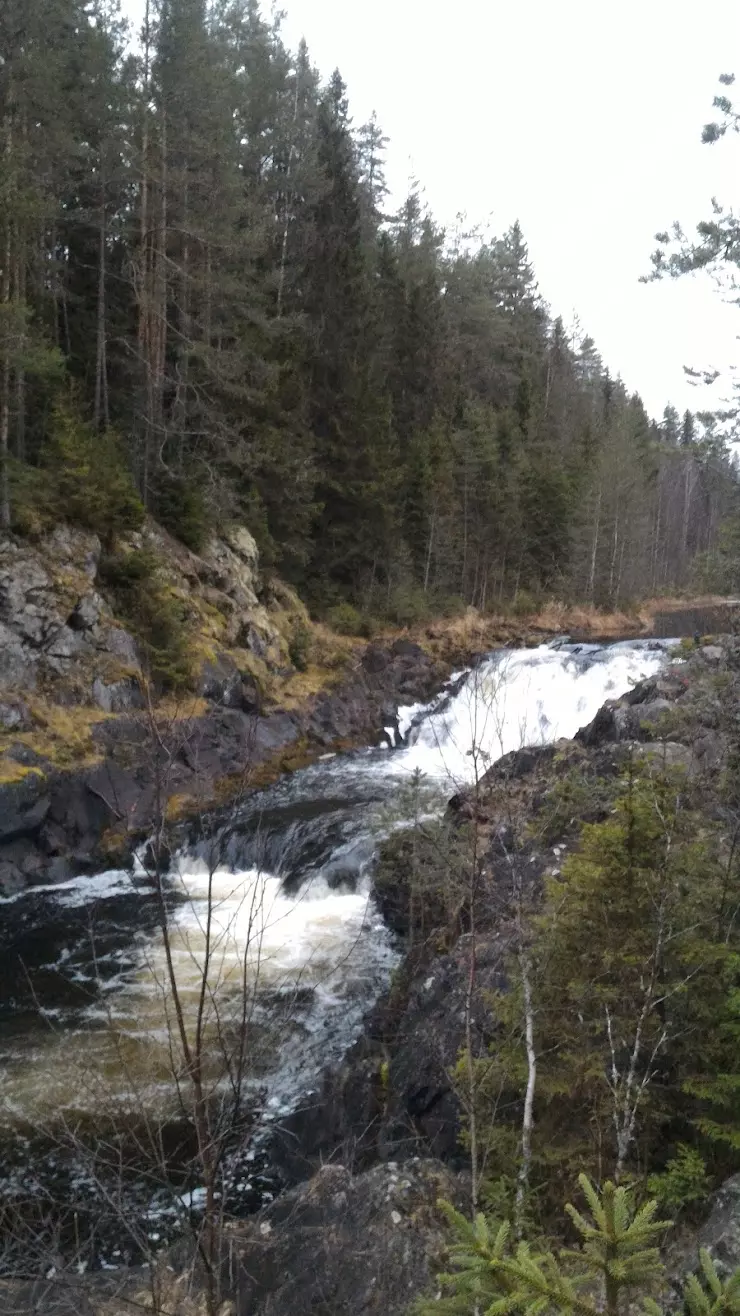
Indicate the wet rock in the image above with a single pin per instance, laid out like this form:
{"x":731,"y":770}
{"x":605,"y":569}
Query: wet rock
{"x":23,"y":807}
{"x":601,"y":731}
{"x":640,"y":693}
{"x":620,"y":720}
{"x":421,"y":1106}
{"x":12,"y":879}
{"x":406,"y":649}
{"x":375,"y":659}
{"x":343,"y":1244}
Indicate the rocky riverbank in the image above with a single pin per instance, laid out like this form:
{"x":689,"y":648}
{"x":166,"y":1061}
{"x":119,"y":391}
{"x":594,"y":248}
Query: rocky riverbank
{"x":370,"y":1152}
{"x":91,"y":758}
{"x":94,"y":751}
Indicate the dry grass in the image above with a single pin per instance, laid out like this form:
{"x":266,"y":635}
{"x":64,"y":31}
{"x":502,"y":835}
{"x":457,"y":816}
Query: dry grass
{"x":61,"y":735}
{"x":11,"y":772}
{"x":455,"y":639}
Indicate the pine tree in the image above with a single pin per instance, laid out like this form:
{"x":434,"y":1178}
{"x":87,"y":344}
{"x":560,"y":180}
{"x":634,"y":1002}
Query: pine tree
{"x":616,"y":1265}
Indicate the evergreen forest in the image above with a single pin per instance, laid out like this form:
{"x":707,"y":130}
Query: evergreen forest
{"x":210,"y":311}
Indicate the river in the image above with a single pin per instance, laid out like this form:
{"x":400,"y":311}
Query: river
{"x":298,"y":952}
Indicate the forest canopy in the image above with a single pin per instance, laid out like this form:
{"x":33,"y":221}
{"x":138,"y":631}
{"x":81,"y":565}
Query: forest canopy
{"x":209,"y":310}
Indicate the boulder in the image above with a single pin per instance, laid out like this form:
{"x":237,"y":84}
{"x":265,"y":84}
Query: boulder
{"x":24,"y":806}
{"x":406,"y":649}
{"x":87,"y":612}
{"x":713,"y":655}
{"x":375,"y":659}
{"x":221,"y":681}
{"x":14,"y":715}
{"x":342,"y":1244}
{"x":117,"y":642}
{"x":117,"y":696}
{"x":720,"y":1234}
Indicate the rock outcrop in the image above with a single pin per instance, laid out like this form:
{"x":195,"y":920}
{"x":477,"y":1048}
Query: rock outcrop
{"x":720,"y":1235}
{"x":346,"y":1244}
{"x":55,"y":821}
{"x":58,"y":636}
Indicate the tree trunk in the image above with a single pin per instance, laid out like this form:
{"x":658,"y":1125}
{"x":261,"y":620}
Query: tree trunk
{"x":286,"y":212}
{"x":528,"y":1116}
{"x":430,"y":544}
{"x":100,"y":412}
{"x":20,"y":373}
{"x":6,"y":331}
{"x":144,"y":276}
{"x":594,"y":549}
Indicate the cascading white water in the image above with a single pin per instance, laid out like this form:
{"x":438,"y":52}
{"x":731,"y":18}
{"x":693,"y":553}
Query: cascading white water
{"x":313,"y":953}
{"x":519,"y":698}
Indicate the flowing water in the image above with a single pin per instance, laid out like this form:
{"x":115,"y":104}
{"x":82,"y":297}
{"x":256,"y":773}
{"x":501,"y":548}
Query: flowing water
{"x":297,"y":951}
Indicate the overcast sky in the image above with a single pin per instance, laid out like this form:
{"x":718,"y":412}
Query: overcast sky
{"x":580,"y":117}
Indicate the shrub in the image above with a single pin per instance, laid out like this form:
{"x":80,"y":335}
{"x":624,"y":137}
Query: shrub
{"x":346,"y":620}
{"x":616,"y":1267}
{"x":87,"y":481}
{"x":299,"y":646}
{"x":156,"y":617}
{"x":448,"y":605}
{"x":179,"y":505}
{"x":523,"y":603}
{"x":684,"y":1182}
{"x":408,"y":605}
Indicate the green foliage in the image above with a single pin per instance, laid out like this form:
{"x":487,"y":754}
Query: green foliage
{"x":346,"y":620}
{"x":179,"y":504}
{"x":683,"y":1183}
{"x":423,"y":870}
{"x":84,"y":478}
{"x":156,"y":617}
{"x":396,"y":416}
{"x":616,"y":1267}
{"x":616,"y":1262}
{"x":299,"y":646}
{"x":634,"y":969}
{"x":407,"y":605}
{"x":706,"y":1294}
{"x":575,"y":797}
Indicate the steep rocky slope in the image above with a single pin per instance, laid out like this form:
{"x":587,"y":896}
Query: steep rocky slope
{"x":91,"y":752}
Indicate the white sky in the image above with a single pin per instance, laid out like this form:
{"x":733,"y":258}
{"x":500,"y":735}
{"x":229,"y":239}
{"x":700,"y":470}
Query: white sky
{"x":580,"y":117}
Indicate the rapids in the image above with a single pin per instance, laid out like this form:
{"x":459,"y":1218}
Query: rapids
{"x":297,"y":951}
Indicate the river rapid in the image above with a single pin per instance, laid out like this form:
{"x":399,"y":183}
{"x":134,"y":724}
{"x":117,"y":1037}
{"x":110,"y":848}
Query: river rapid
{"x":279,"y":896}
